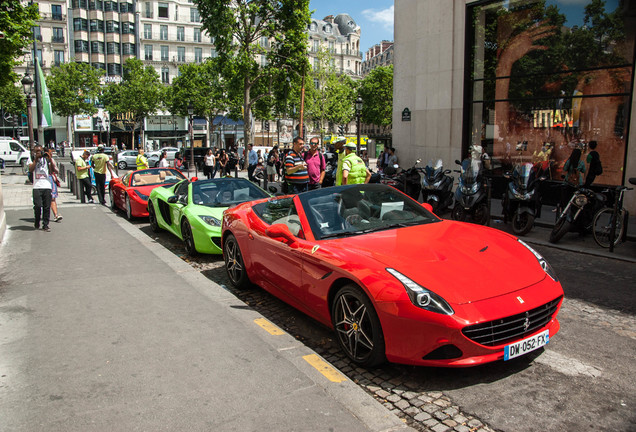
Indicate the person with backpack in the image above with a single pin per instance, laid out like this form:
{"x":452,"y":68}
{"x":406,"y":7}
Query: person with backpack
{"x":315,"y":164}
{"x":594,"y":164}
{"x":41,"y":167}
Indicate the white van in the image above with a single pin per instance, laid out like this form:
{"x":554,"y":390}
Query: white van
{"x":13,"y":152}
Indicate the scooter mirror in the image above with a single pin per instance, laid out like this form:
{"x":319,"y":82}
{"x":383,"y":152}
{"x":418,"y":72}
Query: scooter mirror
{"x":428,"y":207}
{"x":418,"y":161}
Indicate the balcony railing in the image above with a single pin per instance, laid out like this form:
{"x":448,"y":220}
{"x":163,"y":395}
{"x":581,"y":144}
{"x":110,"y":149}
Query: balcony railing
{"x":57,"y":39}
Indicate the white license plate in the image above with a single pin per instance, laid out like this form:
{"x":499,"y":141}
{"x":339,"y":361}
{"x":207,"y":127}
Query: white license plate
{"x":526,"y":345}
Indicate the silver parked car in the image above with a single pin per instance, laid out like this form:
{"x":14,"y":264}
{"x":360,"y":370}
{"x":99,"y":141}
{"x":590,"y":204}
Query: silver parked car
{"x":127,"y":159}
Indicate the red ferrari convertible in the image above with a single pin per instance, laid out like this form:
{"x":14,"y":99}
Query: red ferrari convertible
{"x":130,"y":192}
{"x":393,"y":280}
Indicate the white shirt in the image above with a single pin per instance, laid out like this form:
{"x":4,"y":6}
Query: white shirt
{"x":163,"y":163}
{"x":209,"y":160}
{"x":41,"y":175}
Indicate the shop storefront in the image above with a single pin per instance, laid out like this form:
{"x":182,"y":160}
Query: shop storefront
{"x":165,"y":131}
{"x":544,"y":78}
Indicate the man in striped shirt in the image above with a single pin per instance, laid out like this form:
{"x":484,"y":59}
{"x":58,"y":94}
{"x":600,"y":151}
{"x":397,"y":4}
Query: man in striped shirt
{"x":296,"y":168}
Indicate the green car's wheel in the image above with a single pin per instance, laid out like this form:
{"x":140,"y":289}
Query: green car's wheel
{"x":152,"y":217}
{"x":234,"y":264}
{"x":188,"y":238}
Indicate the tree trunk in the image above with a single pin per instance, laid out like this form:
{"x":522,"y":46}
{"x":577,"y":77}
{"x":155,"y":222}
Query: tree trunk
{"x":247,"y":114}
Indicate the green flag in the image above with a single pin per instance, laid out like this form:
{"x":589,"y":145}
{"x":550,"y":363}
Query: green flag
{"x":46,"y":100}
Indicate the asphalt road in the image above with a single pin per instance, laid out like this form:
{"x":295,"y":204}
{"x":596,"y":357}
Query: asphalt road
{"x":584,"y":380}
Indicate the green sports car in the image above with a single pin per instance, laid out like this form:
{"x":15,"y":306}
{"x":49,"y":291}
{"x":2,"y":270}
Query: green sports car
{"x":193,"y":211}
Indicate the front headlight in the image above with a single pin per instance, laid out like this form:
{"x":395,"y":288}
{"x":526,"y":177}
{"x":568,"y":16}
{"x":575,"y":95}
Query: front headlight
{"x":580,"y":200}
{"x":210,"y":220}
{"x":422,"y":297}
{"x":470,"y":190}
{"x":542,"y":262}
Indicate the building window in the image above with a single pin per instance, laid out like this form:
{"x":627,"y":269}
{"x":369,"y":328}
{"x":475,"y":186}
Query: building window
{"x":59,"y":57}
{"x":198,"y":55}
{"x":213,"y":53}
{"x":194,"y":15}
{"x":181,"y":54}
{"x":180,"y":34}
{"x":197,"y":34}
{"x":148,"y":10}
{"x":99,"y":5}
{"x":129,"y":48}
{"x":264,"y":42}
{"x":313,"y":27}
{"x":176,"y":12}
{"x":165,"y":53}
{"x":163,"y":10}
{"x":97,"y":47}
{"x":316,"y":83}
{"x":328,"y":28}
{"x":91,"y":4}
{"x":101,"y":66}
{"x":128,"y":28}
{"x":165,"y":75}
{"x":263,"y":61}
{"x":123,"y":7}
{"x":108,"y":6}
{"x":58,"y":35}
{"x":113,"y":48}
{"x":112,"y":26}
{"x":163,"y":32}
{"x":56,"y":12}
{"x":148,"y":52}
{"x":315,"y":45}
{"x":97,"y":25}
{"x":81,"y":46}
{"x":80,"y":24}
{"x":147,"y":31}
{"x":548,"y":93}
{"x":114,"y":69}
{"x":332,"y":47}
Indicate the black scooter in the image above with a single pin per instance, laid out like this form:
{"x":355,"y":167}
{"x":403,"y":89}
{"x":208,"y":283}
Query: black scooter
{"x":578,"y":214}
{"x":471,"y":196}
{"x":437,"y":186}
{"x":407,"y":181}
{"x":522,"y":201}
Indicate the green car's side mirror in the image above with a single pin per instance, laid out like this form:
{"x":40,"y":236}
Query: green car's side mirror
{"x":173,"y":199}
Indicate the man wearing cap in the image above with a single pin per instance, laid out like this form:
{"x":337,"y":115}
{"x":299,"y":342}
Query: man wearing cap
{"x":82,"y":170}
{"x":296,"y":168}
{"x":339,"y":147}
{"x":354,"y":170}
{"x":100,"y":162}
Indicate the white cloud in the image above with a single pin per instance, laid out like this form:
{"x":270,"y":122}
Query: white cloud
{"x":383,"y":17}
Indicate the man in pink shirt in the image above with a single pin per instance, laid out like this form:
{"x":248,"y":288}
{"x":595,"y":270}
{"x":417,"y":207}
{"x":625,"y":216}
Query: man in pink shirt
{"x":315,"y":164}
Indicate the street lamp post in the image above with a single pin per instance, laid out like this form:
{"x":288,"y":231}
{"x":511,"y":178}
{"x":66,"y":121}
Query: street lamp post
{"x":27,"y":84}
{"x":191,"y":117}
{"x":99,"y":127}
{"x":107,"y":127}
{"x":358,"y":113}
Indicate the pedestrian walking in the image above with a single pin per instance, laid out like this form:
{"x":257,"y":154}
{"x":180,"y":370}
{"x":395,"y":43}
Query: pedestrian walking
{"x":208,"y":164}
{"x":163,"y":160}
{"x":354,"y":171}
{"x":315,"y":164}
{"x":272,"y":160}
{"x":252,"y":161}
{"x":296,"y":169}
{"x":41,"y":168}
{"x":82,"y":172}
{"x":55,"y":183}
{"x":100,"y":162}
{"x":223,"y":160}
{"x":338,"y":146}
{"x":594,"y":164}
{"x":573,"y":171}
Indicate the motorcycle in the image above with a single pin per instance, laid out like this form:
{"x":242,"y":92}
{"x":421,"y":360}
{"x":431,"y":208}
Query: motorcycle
{"x":578,"y":213}
{"x":407,"y":181}
{"x":437,"y":186}
{"x":331,"y":167}
{"x":471,"y":196}
{"x":522,"y":202}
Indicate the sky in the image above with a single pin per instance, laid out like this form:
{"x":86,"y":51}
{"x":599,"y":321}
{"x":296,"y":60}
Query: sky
{"x":375,"y":17}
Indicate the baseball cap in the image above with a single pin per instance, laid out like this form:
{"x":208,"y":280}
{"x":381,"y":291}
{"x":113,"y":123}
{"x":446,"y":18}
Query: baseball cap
{"x":351,"y":145}
{"x":339,"y":138}
{"x":100,"y":147}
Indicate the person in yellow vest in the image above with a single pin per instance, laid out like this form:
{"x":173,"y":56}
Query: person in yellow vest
{"x":354,"y":170}
{"x":142,"y":162}
{"x":339,"y":147}
{"x":100,"y":162}
{"x":82,"y":170}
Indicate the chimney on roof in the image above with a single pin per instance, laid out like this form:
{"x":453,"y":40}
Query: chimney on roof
{"x":329,"y":19}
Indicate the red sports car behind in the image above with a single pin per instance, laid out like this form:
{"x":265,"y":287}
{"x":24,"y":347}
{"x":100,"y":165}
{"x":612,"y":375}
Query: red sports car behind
{"x":393,"y":280}
{"x":130,"y":192}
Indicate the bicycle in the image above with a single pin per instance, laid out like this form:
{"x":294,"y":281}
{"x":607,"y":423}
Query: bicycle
{"x":604,"y":221}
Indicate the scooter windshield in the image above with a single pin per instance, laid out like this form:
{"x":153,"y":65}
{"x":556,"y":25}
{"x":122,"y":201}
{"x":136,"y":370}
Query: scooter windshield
{"x":433,"y":170}
{"x":523,"y":174}
{"x":470,"y":172}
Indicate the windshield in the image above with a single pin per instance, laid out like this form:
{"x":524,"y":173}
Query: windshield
{"x":156,"y":176}
{"x":523,"y":174}
{"x":433,"y":169}
{"x":225,"y":192}
{"x":471,"y":171}
{"x":360,"y":209}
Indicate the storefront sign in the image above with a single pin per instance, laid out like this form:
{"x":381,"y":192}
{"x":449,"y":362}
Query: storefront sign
{"x":83,"y":122}
{"x":552,"y":118}
{"x":161,"y":123}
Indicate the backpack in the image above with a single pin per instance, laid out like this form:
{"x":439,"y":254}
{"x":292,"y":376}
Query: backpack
{"x":598,"y":169}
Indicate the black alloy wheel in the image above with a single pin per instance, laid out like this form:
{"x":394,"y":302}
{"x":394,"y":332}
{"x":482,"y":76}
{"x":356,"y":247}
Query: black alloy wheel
{"x":152,"y":218}
{"x":357,"y":327}
{"x":458,"y":213}
{"x":188,"y":238}
{"x":234,"y":264}
{"x":481,"y":216}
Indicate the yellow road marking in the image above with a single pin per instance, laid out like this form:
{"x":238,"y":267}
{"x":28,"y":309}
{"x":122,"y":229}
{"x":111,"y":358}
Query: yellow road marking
{"x":324,"y":368}
{"x":269,"y":327}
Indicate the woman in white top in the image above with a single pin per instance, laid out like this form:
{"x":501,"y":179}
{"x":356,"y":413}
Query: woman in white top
{"x":209,"y":162}
{"x":163,"y":160}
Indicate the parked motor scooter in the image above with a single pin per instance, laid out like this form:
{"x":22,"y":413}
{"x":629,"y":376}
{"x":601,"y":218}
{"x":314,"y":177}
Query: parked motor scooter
{"x":471,"y":196}
{"x":437,"y":186}
{"x":331,"y":167}
{"x":578,"y":214}
{"x":522,"y":201}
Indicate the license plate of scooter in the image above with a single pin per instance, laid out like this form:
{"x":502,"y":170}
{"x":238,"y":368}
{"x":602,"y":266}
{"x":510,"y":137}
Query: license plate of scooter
{"x":526,"y":345}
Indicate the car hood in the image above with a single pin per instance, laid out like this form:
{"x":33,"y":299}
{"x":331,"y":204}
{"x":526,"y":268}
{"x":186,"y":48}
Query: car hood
{"x":461,"y":262}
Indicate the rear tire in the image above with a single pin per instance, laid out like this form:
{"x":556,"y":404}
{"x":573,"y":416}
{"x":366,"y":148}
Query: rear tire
{"x":560,"y":228}
{"x":603,"y":225}
{"x":522,"y":223}
{"x":122,"y":165}
{"x":111,"y":195}
{"x":152,"y":217}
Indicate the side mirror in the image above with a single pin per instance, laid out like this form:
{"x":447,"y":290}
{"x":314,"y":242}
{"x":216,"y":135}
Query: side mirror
{"x":418,"y":161}
{"x":173,"y":199}
{"x":447,"y":171}
{"x":193,"y":179}
{"x":428,"y":207}
{"x":280,"y":231}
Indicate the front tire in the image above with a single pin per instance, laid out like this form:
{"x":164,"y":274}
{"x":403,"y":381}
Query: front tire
{"x":481,"y":214}
{"x":458,"y":213}
{"x":152,"y":217}
{"x":234,"y":264}
{"x":602,"y":227}
{"x":357,"y":327}
{"x":560,"y":228}
{"x":188,"y":238}
{"x":522,"y":223}
{"x":111,"y":195}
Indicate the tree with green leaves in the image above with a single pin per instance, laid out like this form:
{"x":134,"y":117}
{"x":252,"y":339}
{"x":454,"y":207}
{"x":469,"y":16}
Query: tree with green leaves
{"x":201,"y":85}
{"x":12,"y":98}
{"x":16,"y":22}
{"x":139,"y":94}
{"x":376,"y":91}
{"x":73,"y":88}
{"x":242,"y":32}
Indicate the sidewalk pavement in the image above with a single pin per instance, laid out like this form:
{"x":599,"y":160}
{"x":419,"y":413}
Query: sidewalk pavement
{"x":103,"y":329}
